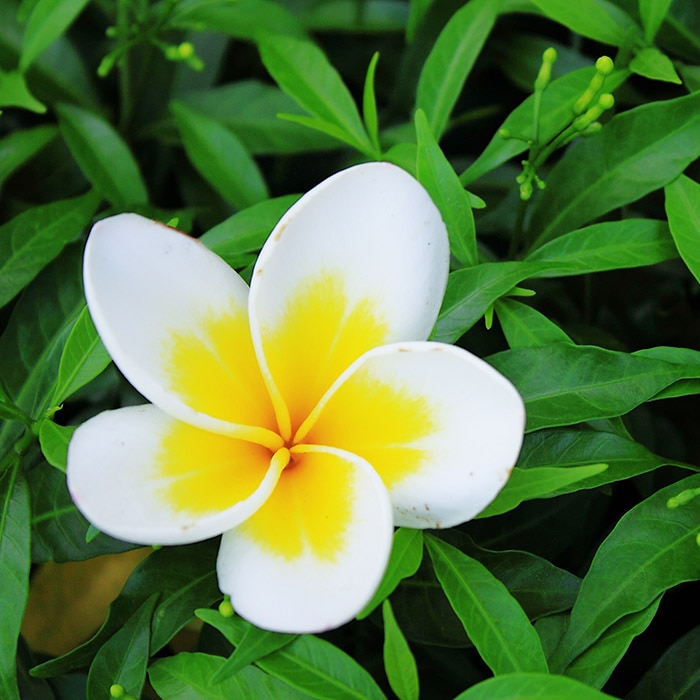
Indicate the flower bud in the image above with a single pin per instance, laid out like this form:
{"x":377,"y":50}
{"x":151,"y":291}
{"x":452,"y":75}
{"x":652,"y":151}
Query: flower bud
{"x":545,"y":73}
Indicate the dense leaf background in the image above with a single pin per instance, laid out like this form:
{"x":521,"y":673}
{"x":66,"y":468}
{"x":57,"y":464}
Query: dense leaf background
{"x":575,"y":268}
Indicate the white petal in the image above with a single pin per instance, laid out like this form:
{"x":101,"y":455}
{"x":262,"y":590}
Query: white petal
{"x":359,"y":261}
{"x":173,"y":316}
{"x":312,"y":557}
{"x":141,"y":476}
{"x":440,"y":426}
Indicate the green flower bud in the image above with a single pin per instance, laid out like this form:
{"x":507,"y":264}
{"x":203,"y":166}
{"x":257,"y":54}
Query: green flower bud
{"x":545,"y":73}
{"x":185,"y":50}
{"x":504,"y":133}
{"x":604,"y":65}
{"x":117,"y":691}
{"x":225,"y":607}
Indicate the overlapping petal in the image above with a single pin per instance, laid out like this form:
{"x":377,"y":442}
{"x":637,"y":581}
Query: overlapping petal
{"x":174,"y":318}
{"x":142,"y":476}
{"x":313,"y":555}
{"x":440,"y":426}
{"x":360,"y":261}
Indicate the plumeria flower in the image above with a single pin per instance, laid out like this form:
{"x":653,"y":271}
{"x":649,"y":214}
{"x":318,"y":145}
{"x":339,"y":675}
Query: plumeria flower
{"x":301,"y":418}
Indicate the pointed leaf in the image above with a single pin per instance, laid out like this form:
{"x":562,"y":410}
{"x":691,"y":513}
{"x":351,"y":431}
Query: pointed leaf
{"x":451,"y":60}
{"x":102,"y":155}
{"x":495,"y":623}
{"x":438,"y":177}
{"x":399,"y":663}
{"x":683,"y":211}
{"x":653,"y":13}
{"x":651,"y":63}
{"x":54,"y":441}
{"x":212,"y":149}
{"x":15,"y":93}
{"x":532,"y":686}
{"x":652,"y":548}
{"x":525,"y":327}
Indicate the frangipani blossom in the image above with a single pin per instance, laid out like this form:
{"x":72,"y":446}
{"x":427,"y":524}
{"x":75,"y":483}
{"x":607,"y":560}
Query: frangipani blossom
{"x":301,"y":418}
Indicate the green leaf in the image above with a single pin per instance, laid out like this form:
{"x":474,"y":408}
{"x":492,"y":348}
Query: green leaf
{"x":36,"y":236}
{"x":243,"y":19}
{"x":212,"y":149}
{"x":406,"y":556}
{"x":538,"y":482}
{"x":58,"y":529}
{"x":583,"y":383}
{"x":15,"y":93}
{"x":84,"y":358}
{"x":611,"y":245}
{"x":188,"y":677}
{"x":451,"y":60}
{"x":54,"y":441}
{"x":653,"y":13}
{"x":525,"y":327}
{"x":185,"y":578}
{"x":637,"y":152}
{"x":651,"y":549}
{"x":102,"y":155}
{"x":302,"y":70}
{"x":651,"y":63}
{"x":595,"y":19}
{"x":20,"y":146}
{"x":124,"y":657}
{"x":308,"y":664}
{"x":683,"y":211}
{"x":494,"y":621}
{"x":239,"y":237}
{"x":15,"y":564}
{"x":399,"y":663}
{"x":568,"y":449}
{"x":369,"y":104}
{"x":555,"y":114}
{"x":675,"y":674}
{"x":531,"y":686}
{"x":255,"y":644}
{"x":597,"y":663}
{"x":48,"y":20}
{"x":440,"y":180}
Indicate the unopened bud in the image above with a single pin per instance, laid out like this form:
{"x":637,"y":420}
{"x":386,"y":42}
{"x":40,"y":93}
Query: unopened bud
{"x":605,"y":65}
{"x":545,"y":73}
{"x":225,"y":607}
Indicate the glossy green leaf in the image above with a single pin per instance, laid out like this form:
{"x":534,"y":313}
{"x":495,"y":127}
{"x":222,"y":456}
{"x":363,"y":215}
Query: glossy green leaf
{"x":651,"y":63}
{"x":531,"y":686}
{"x":123,"y":659}
{"x":653,"y":13}
{"x":239,"y":237}
{"x":526,"y":327}
{"x":308,"y":664}
{"x":440,"y":180}
{"x":595,"y":666}
{"x":15,"y":93}
{"x":556,"y":111}
{"x":185,"y":578}
{"x":212,"y":149}
{"x":637,"y":152}
{"x":652,"y":548}
{"x":15,"y":564}
{"x":399,"y":664}
{"x":538,"y":482}
{"x":243,"y":19}
{"x":369,"y":104}
{"x":103,"y":156}
{"x":568,"y":449}
{"x":596,"y":19}
{"x":48,"y":20}
{"x":494,"y":621}
{"x":302,"y":70}
{"x":54,"y":441}
{"x":36,"y":236}
{"x":451,"y":59}
{"x":19,"y":147}
{"x":255,"y":644}
{"x":188,"y":677}
{"x":406,"y":556}
{"x":611,"y":245}
{"x":683,"y":210}
{"x":58,"y":528}
{"x":675,"y":674}
{"x":583,"y":383}
{"x":84,"y":358}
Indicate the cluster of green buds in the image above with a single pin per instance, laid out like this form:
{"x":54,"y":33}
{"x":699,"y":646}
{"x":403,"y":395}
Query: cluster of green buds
{"x":586,"y":112}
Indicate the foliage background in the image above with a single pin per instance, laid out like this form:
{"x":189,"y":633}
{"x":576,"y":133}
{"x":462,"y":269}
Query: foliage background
{"x":582,"y":576}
